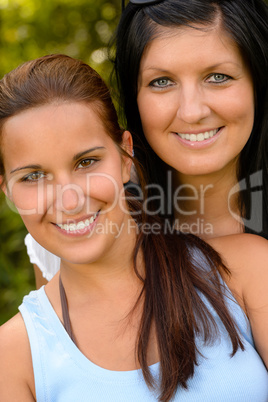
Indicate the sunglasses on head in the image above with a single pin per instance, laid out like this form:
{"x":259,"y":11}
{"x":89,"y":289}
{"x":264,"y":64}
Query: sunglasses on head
{"x":141,"y":2}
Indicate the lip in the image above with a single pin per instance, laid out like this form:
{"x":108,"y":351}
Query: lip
{"x":77,"y":220}
{"x":198,"y":144}
{"x":79,"y":232}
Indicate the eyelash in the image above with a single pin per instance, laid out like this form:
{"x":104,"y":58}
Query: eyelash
{"x":226,"y":78}
{"x":28,"y":178}
{"x":154,"y":82}
{"x":91,"y":160}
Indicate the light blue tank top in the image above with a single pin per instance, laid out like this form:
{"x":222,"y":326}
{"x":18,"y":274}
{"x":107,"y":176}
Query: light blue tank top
{"x":63,"y":374}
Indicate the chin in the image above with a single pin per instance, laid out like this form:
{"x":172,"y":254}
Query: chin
{"x":200,"y":169}
{"x":197,"y":171}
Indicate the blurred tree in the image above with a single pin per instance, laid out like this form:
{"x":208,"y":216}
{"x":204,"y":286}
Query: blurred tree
{"x":29,"y":29}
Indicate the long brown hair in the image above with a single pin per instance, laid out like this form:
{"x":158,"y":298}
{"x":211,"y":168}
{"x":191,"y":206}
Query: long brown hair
{"x":175,"y":283}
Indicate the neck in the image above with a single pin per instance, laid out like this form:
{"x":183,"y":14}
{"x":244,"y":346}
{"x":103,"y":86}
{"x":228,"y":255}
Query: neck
{"x":205,"y":204}
{"x":113,"y":284}
{"x":110,"y":277}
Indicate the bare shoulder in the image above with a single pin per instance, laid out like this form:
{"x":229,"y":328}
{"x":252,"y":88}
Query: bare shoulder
{"x":247,"y":250}
{"x":241,"y":239}
{"x":247,"y":259}
{"x":246,"y":256}
{"x":13,"y":335}
{"x":16,"y":372}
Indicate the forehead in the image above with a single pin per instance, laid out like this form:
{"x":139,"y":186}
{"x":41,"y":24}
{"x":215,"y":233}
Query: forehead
{"x":197,"y":41}
{"x":54,"y":130}
{"x":52,"y":120}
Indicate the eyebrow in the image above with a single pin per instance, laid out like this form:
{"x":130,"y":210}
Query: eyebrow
{"x":207,"y":68}
{"x":222,"y":63}
{"x":77,"y":156}
{"x":80,"y":154}
{"x":35,"y":167}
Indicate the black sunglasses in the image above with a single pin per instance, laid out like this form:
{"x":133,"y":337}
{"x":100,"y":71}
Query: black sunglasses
{"x":140,"y":2}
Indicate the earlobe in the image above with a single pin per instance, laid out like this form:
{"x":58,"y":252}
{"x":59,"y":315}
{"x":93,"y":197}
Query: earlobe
{"x":127,"y":145}
{"x":3,"y":186}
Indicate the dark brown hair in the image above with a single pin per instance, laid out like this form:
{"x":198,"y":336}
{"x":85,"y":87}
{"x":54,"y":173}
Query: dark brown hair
{"x":180,"y":269}
{"x":140,"y":24}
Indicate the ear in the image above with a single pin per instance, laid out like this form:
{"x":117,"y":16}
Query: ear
{"x":3,"y":185}
{"x":127,"y":145}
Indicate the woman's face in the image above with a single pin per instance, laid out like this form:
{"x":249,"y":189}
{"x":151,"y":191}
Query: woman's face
{"x":65,"y":175}
{"x":196,"y":99}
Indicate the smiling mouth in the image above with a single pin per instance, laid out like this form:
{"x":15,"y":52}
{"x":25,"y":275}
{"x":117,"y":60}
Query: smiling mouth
{"x":73,"y":227}
{"x":200,"y":136}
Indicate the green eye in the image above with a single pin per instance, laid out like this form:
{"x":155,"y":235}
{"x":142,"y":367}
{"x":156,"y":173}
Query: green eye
{"x":162,"y":82}
{"x":32,"y":177}
{"x":218,"y":78}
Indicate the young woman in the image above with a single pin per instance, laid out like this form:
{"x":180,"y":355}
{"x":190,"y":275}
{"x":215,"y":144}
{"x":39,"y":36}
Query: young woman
{"x":193,"y":86}
{"x":135,"y":313}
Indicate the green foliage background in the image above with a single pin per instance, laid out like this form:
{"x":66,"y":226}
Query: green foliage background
{"x":29,"y":29}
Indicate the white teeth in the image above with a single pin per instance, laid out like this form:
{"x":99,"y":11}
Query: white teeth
{"x":193,"y":137}
{"x":198,"y":137}
{"x":81,"y":225}
{"x":78,"y":226}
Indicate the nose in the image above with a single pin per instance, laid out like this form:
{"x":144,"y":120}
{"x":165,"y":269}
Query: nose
{"x":193,"y":106}
{"x":69,"y":198}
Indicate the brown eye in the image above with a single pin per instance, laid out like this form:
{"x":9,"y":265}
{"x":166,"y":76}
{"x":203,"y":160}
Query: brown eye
{"x":86,"y":163}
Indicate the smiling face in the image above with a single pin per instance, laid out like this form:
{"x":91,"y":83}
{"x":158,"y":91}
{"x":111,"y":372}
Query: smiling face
{"x":196,"y":99}
{"x":65,"y":175}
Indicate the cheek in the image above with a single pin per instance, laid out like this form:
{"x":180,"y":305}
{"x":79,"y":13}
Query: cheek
{"x":241,"y":120}
{"x":109,"y":195}
{"x":155,"y":109}
{"x":239,"y":106}
{"x":104,"y":187}
{"x":158,"y":114}
{"x":28,"y":201}
{"x":240,"y":113}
